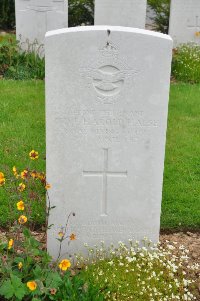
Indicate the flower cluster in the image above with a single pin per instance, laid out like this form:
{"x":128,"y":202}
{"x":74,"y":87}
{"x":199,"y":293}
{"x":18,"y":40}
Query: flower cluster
{"x":28,"y":173}
{"x":185,"y":64}
{"x":25,"y":185}
{"x":135,"y":272}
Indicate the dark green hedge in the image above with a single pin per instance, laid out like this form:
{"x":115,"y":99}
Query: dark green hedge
{"x":7,"y":14}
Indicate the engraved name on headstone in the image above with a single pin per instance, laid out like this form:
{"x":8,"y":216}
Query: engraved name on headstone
{"x":106,"y":119}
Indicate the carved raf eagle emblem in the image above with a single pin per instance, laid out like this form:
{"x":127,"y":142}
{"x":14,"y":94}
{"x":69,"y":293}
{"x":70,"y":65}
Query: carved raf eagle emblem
{"x":108,"y":75}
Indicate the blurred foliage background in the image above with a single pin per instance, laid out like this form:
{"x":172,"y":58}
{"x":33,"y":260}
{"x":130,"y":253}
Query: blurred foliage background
{"x":7,"y":14}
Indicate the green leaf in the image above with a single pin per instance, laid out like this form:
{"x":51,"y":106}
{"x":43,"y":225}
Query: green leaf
{"x":27,"y":232}
{"x":53,"y":280}
{"x":7,"y":290}
{"x":11,"y":287}
{"x":33,"y":242}
{"x":16,"y":282}
{"x":46,"y":257}
{"x":3,"y":246}
{"x":18,"y":259}
{"x":37,"y":272}
{"x":20,"y":292}
{"x":36,"y":252}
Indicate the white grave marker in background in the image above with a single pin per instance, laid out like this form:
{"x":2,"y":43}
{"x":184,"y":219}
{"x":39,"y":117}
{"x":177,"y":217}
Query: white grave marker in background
{"x":106,"y":117}
{"x":185,"y":21}
{"x":35,"y":17}
{"x":130,"y":13}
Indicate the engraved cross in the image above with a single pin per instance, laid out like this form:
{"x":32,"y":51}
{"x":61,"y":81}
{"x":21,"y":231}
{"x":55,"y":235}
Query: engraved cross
{"x":105,"y":173}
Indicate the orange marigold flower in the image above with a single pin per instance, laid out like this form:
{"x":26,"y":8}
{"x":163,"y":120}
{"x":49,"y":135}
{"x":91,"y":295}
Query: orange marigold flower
{"x":10,"y":244}
{"x":2,"y":179}
{"x":34,"y":174}
{"x":48,"y":186}
{"x":22,"y":219}
{"x":197,"y":34}
{"x":33,"y":155}
{"x":72,"y":236}
{"x":21,"y":187}
{"x":20,"y":265}
{"x":64,"y":264}
{"x":32,"y":285}
{"x":24,"y":174}
{"x":41,"y":176}
{"x":20,"y":206}
{"x":53,"y":291}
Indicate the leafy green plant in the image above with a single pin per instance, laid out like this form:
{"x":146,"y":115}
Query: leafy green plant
{"x":161,"y":9}
{"x":27,"y":272}
{"x":18,"y":64}
{"x":186,"y":63}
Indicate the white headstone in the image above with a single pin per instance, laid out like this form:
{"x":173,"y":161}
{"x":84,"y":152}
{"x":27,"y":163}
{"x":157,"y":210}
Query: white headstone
{"x":185,"y":21}
{"x":35,"y":17}
{"x":106,"y":117}
{"x":130,"y":13}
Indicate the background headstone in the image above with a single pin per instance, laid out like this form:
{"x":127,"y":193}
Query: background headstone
{"x":106,"y":117}
{"x":150,"y":18}
{"x":35,"y":17}
{"x":131,"y":13}
{"x":184,"y":21}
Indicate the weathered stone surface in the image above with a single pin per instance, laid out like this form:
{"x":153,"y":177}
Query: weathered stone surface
{"x":185,"y":21}
{"x":131,"y":13}
{"x":106,"y":117}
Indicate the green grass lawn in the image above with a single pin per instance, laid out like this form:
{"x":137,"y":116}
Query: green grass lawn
{"x":181,"y":193}
{"x":22,"y":128}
